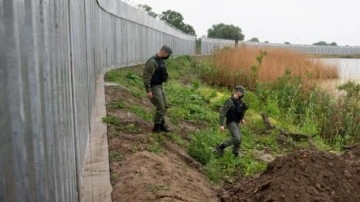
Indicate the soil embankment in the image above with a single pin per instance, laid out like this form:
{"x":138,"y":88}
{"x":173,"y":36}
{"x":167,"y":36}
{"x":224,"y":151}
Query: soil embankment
{"x":304,"y":175}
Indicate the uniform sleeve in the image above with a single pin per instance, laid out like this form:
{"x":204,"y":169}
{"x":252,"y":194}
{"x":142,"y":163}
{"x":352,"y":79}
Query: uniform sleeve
{"x":147,"y":74}
{"x":224,"y":110}
{"x":166,"y":75}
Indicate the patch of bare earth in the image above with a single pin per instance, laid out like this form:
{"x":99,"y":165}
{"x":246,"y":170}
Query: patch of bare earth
{"x":304,"y":175}
{"x":143,"y":169}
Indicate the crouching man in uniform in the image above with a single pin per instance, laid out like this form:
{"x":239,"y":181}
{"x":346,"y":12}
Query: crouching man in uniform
{"x":154,"y":75}
{"x":233,"y":112}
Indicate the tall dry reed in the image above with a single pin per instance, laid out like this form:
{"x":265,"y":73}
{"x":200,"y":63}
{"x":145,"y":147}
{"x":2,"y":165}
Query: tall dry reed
{"x":235,"y":66}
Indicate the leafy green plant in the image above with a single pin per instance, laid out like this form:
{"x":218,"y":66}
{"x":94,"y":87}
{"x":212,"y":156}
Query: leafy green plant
{"x":202,"y":145}
{"x":133,"y":77}
{"x":255,"y":68}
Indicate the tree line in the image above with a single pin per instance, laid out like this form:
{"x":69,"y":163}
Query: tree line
{"x":174,"y":18}
{"x":218,"y":31}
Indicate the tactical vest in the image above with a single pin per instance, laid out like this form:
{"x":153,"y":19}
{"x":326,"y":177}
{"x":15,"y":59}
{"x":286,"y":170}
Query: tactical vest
{"x":237,"y":112}
{"x":160,"y":75}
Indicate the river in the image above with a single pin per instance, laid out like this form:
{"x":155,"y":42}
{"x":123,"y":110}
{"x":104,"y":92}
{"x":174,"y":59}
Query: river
{"x":349,"y":70}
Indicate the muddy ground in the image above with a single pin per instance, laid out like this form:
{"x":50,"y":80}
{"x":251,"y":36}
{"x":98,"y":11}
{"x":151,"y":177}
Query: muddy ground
{"x":142,"y":169}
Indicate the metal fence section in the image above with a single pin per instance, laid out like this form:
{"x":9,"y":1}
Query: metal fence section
{"x":309,"y":49}
{"x":208,"y":46}
{"x":50,"y":55}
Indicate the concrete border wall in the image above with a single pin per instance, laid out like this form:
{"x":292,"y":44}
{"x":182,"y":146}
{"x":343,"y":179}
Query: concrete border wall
{"x":51,"y":53}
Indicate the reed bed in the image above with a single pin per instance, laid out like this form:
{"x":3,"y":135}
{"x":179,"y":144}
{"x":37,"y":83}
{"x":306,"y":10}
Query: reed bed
{"x":247,"y":65}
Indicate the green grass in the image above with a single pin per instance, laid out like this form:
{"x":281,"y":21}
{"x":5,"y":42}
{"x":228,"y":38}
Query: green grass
{"x":141,"y":112}
{"x":116,"y":105}
{"x":128,"y":78}
{"x":132,"y":128}
{"x":193,"y":100}
{"x":111,"y":120}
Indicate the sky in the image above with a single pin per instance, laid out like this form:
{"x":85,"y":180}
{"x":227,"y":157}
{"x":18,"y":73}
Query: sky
{"x":275,"y":21}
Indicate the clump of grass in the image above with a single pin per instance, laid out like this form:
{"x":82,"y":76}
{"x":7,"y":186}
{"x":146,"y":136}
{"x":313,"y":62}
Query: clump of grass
{"x":112,"y":106}
{"x":111,"y":120}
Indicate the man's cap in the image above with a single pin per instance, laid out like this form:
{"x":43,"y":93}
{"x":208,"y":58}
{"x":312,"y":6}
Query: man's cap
{"x":166,"y":49}
{"x":240,"y":88}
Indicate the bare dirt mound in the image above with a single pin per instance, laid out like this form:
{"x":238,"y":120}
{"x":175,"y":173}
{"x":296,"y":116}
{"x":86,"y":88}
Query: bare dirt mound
{"x":149,"y":167}
{"x":352,"y":154}
{"x":145,"y":176}
{"x":304,"y":175}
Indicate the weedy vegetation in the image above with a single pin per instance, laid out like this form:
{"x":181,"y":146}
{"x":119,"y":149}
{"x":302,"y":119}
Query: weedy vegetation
{"x":280,"y":83}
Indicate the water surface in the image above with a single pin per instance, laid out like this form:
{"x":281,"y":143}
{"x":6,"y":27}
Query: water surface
{"x":349,"y":70}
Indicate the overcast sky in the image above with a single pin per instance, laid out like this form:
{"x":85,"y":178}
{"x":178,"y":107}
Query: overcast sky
{"x":276,"y":21}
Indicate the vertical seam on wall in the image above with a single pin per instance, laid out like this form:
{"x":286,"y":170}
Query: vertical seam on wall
{"x":90,"y":108}
{"x":74,"y":101}
{"x":87,"y":70}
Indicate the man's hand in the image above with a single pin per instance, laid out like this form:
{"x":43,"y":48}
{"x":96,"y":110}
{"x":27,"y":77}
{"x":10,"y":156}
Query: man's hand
{"x":149,"y":95}
{"x":222,"y":128}
{"x":243,"y":121}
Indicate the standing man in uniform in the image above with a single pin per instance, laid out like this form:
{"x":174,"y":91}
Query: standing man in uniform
{"x":154,"y":75}
{"x":233,"y":112}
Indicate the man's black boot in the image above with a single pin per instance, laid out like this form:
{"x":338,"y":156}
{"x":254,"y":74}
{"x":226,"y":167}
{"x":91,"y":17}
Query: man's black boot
{"x":236,"y":149}
{"x":220,"y":149}
{"x":163,"y":127}
{"x":157,"y":128}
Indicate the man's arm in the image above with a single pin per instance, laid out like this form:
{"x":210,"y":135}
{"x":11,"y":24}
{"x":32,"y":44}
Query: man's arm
{"x":224,"y":110}
{"x":147,"y":75}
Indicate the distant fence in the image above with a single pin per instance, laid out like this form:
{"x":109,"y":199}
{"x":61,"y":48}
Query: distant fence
{"x":209,"y":45}
{"x":310,"y":49}
{"x":50,"y":55}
